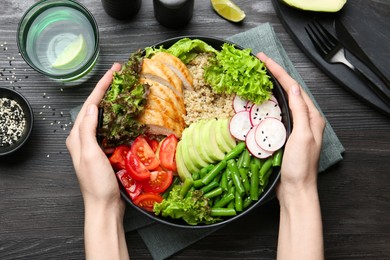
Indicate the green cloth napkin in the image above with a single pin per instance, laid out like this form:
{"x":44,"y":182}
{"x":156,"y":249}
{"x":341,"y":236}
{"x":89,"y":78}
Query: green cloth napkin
{"x":164,"y":241}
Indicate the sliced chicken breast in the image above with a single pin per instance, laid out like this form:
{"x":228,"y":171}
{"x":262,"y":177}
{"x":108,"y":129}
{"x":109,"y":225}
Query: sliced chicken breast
{"x":160,"y":124}
{"x":175,"y":64}
{"x":166,"y":108}
{"x":161,"y":73}
{"x":167,"y":94}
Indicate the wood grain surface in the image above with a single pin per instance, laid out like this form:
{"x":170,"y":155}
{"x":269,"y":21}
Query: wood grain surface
{"x":41,"y":211}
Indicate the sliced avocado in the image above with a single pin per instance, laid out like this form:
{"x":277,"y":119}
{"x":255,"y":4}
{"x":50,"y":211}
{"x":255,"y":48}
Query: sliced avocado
{"x":188,"y":162}
{"x":181,"y":168}
{"x":199,"y":141}
{"x":226,"y":133}
{"x":208,"y":135}
{"x":193,"y":152}
{"x":317,"y":5}
{"x":219,"y":126}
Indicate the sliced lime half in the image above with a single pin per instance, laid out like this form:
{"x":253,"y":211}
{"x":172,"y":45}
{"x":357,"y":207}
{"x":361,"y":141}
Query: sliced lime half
{"x":72,"y":55}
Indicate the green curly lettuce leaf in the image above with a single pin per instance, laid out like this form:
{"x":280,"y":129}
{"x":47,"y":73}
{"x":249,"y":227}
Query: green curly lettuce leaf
{"x":193,"y":209}
{"x":123,"y":103}
{"x":237,"y":71}
{"x":185,"y":49}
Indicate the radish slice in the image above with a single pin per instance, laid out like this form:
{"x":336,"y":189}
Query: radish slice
{"x":266,"y":109}
{"x":253,"y":147}
{"x":239,"y":125}
{"x":240,"y":104}
{"x":273,"y":98}
{"x":270,"y":134}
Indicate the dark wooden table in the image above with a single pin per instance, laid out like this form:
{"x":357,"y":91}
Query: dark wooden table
{"x":41,"y":210}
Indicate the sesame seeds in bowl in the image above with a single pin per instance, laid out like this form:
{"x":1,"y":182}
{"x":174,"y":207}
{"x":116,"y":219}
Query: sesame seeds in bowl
{"x":16,"y":121}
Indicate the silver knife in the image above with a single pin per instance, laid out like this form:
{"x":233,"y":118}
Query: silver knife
{"x":349,"y":42}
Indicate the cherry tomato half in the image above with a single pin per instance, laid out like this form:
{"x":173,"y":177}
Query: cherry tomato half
{"x":144,"y":152}
{"x":136,"y":168}
{"x":158,"y":182}
{"x":147,"y":200}
{"x":132,"y":187}
{"x":117,"y":159}
{"x":167,"y":153}
{"x":153,"y":143}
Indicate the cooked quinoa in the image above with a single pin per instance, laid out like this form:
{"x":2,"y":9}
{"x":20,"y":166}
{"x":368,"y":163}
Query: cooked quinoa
{"x":202,"y":102}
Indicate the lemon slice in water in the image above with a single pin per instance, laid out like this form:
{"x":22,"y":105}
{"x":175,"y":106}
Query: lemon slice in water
{"x":228,"y":10}
{"x":72,"y":55}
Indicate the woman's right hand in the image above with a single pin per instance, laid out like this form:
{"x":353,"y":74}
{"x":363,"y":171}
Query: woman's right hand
{"x":302,"y":150}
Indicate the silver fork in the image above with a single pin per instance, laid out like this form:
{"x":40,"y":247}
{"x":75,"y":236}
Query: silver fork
{"x":333,"y":51}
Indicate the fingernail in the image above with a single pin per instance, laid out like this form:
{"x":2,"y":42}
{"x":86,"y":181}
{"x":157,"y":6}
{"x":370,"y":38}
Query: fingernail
{"x":90,"y":109}
{"x":296,"y":90}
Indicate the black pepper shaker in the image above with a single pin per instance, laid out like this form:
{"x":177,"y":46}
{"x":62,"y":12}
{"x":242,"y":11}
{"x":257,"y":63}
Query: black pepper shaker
{"x":121,"y":9}
{"x":173,"y":13}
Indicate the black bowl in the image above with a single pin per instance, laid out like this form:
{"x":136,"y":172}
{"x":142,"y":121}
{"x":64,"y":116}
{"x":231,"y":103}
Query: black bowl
{"x":29,"y":117}
{"x":274,"y":177}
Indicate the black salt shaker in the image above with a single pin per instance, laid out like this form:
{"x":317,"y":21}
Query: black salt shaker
{"x":121,"y":9}
{"x":173,"y":13}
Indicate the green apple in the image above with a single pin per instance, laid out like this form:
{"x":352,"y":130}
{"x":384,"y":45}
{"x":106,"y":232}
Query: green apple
{"x":317,"y":5}
{"x":199,"y":142}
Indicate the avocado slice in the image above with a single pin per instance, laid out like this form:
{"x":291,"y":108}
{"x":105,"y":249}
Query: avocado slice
{"x":229,"y":139}
{"x":193,"y":153}
{"x":199,"y":142}
{"x":181,"y":168}
{"x":317,"y":5}
{"x":220,"y":126}
{"x":208,"y":135}
{"x":187,"y":159}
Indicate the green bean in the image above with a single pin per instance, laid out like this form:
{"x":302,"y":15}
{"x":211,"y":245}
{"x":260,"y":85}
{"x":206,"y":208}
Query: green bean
{"x":175,"y":181}
{"x":240,"y":160}
{"x":256,"y":161}
{"x":198,"y":184}
{"x":214,"y":172}
{"x":218,"y":178}
{"x":266,"y":166}
{"x":222,"y":212}
{"x":254,"y":186}
{"x":210,"y":186}
{"x":214,"y":193}
{"x":231,"y":205}
{"x":224,"y":201}
{"x":238,"y":202}
{"x":196,"y":176}
{"x":277,"y":158}
{"x":247,"y":202}
{"x":230,"y":183}
{"x":205,"y":170}
{"x":244,"y":179}
{"x":186,"y":186}
{"x":232,"y":166}
{"x":247,"y":159}
{"x":266,"y":177}
{"x":236,"y":151}
{"x":224,"y":181}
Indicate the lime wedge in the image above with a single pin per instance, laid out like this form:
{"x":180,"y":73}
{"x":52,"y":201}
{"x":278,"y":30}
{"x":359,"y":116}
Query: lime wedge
{"x":72,"y":55}
{"x":228,"y":10}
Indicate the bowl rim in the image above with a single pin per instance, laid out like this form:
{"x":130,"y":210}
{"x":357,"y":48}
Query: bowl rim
{"x":46,"y":4}
{"x":27,"y":109}
{"x":266,"y":195}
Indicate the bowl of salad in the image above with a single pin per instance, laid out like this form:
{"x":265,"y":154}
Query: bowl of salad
{"x":194,"y":128}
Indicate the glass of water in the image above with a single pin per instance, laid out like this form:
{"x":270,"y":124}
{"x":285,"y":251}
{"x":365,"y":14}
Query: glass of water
{"x":59,"y":38}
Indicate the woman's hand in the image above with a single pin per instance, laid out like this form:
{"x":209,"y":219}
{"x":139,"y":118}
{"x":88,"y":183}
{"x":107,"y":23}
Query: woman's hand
{"x":104,"y":209}
{"x":300,"y":231}
{"x":302,"y":151}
